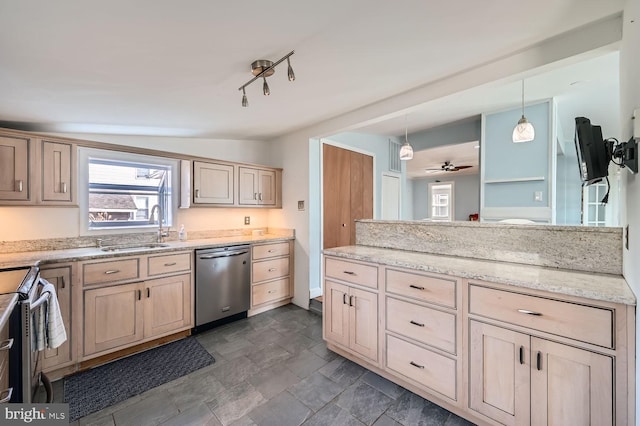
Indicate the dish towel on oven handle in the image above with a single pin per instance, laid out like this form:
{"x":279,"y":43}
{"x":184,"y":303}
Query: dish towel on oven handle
{"x":56,"y":334}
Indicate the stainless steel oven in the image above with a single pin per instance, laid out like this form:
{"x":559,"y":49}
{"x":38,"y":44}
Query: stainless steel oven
{"x":24,"y":358}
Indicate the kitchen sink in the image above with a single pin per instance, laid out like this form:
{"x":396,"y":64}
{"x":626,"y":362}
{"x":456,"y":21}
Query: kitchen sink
{"x":134,"y":247}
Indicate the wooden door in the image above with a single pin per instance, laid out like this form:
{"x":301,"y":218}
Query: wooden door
{"x":113,"y":316}
{"x":14,"y":168}
{"x":499,"y":373}
{"x":213,"y":183}
{"x":347,"y":194}
{"x":363,"y":323}
{"x":248,"y":186}
{"x":60,"y":277}
{"x":336,"y":313}
{"x":56,"y":171}
{"x":570,"y":385}
{"x":167,"y":305}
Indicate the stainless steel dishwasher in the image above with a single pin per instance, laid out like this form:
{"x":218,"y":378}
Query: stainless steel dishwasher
{"x":223,"y":286}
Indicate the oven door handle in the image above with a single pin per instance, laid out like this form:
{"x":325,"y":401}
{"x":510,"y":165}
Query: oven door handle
{"x":44,"y":297}
{"x":229,"y":254}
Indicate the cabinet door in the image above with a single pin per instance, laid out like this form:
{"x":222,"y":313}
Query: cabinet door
{"x":249,"y":186}
{"x":213,"y":183}
{"x":61,"y":279}
{"x":363,"y":323}
{"x":267,"y":187}
{"x":336,"y":313}
{"x":570,"y":385}
{"x":14,"y":168}
{"x":56,"y":171}
{"x":499,"y":373}
{"x":113,"y":316}
{"x":167,"y":304}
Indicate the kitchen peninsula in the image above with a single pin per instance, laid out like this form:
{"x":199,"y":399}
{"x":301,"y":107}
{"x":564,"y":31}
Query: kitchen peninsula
{"x":501,"y":324}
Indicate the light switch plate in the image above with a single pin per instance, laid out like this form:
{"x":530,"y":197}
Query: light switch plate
{"x":537,"y":196}
{"x":247,"y":220}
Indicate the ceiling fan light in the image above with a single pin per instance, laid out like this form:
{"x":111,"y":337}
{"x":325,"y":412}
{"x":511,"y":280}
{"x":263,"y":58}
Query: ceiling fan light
{"x":406,"y":151}
{"x":523,"y":132}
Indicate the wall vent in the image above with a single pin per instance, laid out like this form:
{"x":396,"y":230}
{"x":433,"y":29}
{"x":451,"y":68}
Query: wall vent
{"x":394,"y":156}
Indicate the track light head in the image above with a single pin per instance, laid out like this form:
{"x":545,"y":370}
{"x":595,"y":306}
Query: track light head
{"x":265,"y":87}
{"x":245,"y":103}
{"x":290,"y":73}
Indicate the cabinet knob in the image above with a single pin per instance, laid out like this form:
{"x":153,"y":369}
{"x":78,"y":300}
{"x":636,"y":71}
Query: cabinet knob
{"x":344,"y":225}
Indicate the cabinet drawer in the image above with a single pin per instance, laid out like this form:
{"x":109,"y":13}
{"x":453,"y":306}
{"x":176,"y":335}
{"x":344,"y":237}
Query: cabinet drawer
{"x":426,"y":325}
{"x":431,"y":289}
{"x":271,"y":291}
{"x":585,"y":323}
{"x":355,"y":273}
{"x":422,"y":366}
{"x":270,"y":250}
{"x":270,"y":269}
{"x":106,"y":272}
{"x":169,"y":263}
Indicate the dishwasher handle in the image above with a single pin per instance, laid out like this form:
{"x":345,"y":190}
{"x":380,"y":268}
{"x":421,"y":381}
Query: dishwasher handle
{"x":217,"y":255}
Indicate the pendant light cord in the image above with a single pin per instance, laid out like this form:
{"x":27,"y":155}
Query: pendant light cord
{"x":523,"y":97}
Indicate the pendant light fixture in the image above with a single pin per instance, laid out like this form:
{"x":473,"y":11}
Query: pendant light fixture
{"x":406,"y":151}
{"x":524,"y":131}
{"x":263,"y":68}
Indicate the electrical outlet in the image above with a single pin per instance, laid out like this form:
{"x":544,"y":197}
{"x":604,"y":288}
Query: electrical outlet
{"x":537,"y":196}
{"x":301,"y":205}
{"x":247,"y":220}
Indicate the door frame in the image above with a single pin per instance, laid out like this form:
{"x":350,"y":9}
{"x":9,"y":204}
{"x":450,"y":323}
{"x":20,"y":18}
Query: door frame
{"x":317,"y":291}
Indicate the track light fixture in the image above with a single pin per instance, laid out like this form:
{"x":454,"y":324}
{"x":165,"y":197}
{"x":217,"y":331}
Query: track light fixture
{"x":263,"y":68}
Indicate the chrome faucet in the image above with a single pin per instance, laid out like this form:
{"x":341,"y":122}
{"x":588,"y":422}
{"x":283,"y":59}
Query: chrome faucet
{"x":161,"y":233}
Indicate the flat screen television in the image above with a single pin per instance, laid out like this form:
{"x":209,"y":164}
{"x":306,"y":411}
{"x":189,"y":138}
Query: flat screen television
{"x":594,"y":154}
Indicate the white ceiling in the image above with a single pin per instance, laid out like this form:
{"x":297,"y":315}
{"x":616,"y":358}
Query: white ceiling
{"x":163,"y":67}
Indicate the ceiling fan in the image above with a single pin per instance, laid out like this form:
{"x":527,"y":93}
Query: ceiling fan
{"x":447,"y":167}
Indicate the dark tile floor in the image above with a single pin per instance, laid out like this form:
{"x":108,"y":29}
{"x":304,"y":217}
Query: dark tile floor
{"x":274,"y":369}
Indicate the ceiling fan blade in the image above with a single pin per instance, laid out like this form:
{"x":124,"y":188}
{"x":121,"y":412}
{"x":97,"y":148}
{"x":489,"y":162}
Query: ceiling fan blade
{"x":462,"y":167}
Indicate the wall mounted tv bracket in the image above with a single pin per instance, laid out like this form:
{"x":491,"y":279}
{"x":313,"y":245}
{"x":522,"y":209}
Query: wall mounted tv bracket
{"x":626,"y":154}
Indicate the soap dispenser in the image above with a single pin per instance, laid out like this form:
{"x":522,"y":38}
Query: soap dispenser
{"x":182,"y":234}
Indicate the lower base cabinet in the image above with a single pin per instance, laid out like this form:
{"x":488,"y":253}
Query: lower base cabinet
{"x":61,"y":277}
{"x":120,"y":315}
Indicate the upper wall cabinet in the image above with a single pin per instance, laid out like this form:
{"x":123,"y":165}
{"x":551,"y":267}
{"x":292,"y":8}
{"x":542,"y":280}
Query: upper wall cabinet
{"x":213,"y":183}
{"x":36,"y":171}
{"x":257,"y":186}
{"x":14,"y":168}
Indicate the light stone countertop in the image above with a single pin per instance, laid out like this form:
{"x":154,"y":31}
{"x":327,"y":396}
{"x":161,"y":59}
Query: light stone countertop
{"x":33,"y":258}
{"x":603,"y":287}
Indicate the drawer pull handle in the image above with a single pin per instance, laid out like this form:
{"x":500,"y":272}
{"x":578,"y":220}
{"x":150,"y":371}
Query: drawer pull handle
{"x":170,"y":264}
{"x":112,"y":271}
{"x":349,"y":272}
{"x":351,"y":300}
{"x":62,"y":284}
{"x":521,"y":355}
{"x":197,"y":193}
{"x":539,"y":360}
{"x":139,"y":294}
{"x":416,"y":287}
{"x":417,"y":365}
{"x":7,"y":398}
{"x":527,"y":312}
{"x":416,"y":323}
{"x":344,"y":298}
{"x":6,"y":345}
{"x":148,"y":292}
{"x":20,"y":188}
{"x":64,"y":188}
{"x":255,"y":195}
{"x":273,"y":269}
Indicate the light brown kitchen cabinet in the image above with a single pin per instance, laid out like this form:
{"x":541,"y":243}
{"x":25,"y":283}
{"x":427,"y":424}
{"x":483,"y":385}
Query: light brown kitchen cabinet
{"x":213,"y":183}
{"x":14,"y":168}
{"x":56,"y":174}
{"x":135,"y":299}
{"x":113,"y":317}
{"x":61,"y":277}
{"x":257,"y":186}
{"x":517,"y":379}
{"x":271,"y":276}
{"x":167,"y":304}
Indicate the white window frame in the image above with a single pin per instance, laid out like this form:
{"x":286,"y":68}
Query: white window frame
{"x":450,"y":205}
{"x":84,"y":154}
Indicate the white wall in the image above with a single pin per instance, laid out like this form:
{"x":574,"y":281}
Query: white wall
{"x":630,"y":100}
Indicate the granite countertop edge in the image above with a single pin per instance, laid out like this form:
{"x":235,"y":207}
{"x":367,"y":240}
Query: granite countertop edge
{"x":37,"y":258}
{"x":601,"y":287}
